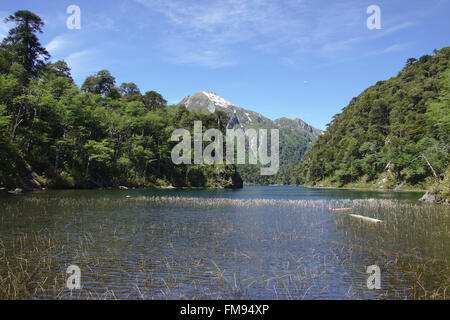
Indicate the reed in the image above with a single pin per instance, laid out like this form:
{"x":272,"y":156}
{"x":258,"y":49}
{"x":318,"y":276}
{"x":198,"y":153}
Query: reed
{"x":287,"y":249}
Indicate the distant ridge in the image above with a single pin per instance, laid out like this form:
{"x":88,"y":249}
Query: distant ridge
{"x":296,"y":136}
{"x":209,"y":102}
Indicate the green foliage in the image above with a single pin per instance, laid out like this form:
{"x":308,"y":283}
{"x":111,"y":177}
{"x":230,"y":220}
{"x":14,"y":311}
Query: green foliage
{"x":102,"y":83}
{"x":153,"y":100}
{"x":57,"y":69}
{"x":130,"y":91}
{"x":293,"y":146}
{"x":399,"y":128}
{"x":55,"y":134}
{"x":23,"y":44}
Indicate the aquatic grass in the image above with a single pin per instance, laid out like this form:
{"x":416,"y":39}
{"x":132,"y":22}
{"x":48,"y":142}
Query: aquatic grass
{"x":411,"y":247}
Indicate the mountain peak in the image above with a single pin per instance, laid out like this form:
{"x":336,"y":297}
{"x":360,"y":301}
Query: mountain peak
{"x":216,"y":99}
{"x":206,"y":102}
{"x":209,"y":102}
{"x":296,"y":136}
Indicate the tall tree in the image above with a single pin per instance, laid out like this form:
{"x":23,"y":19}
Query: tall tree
{"x":130,"y":91}
{"x":24,"y":43}
{"x":58,"y":69}
{"x":102,"y":83}
{"x":153,"y":100}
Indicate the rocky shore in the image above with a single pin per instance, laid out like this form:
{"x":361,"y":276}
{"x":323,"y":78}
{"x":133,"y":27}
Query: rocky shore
{"x":434,"y":198}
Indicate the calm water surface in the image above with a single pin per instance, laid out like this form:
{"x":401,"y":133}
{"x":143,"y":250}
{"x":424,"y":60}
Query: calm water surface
{"x":254,"y":243}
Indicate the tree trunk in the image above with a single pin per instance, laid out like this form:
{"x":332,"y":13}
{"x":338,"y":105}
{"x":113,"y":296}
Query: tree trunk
{"x":87,"y":168}
{"x":17,"y":120}
{"x":13,"y":134}
{"x":432,"y":169}
{"x":30,"y":139}
{"x":58,"y":150}
{"x":158,"y":170}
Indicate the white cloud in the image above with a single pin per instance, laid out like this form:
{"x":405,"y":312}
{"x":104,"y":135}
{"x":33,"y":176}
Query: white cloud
{"x":204,"y":32}
{"x":207,"y":58}
{"x":214,"y":33}
{"x":333,"y":47}
{"x":223,"y":22}
{"x":397,"y":27}
{"x":4,"y":28}
{"x":82,"y":62}
{"x":393,"y":48}
{"x":286,"y":61}
{"x":3,"y":31}
{"x":58,"y":44}
{"x":65,"y":44}
{"x":80,"y":55}
{"x":336,"y":21}
{"x":101,"y":22}
{"x":183,"y":51}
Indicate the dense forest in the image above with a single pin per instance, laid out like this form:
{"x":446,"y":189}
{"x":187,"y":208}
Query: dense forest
{"x":396,"y":134}
{"x":54,"y":134}
{"x":296,"y":137}
{"x":293,"y":146}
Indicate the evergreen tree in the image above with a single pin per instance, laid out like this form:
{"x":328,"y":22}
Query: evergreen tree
{"x":23,"y":43}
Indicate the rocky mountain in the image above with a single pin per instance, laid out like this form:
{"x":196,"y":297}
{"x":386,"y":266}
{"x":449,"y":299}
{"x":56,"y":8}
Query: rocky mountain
{"x":296,"y":136}
{"x":300,"y":126}
{"x":209,"y":102}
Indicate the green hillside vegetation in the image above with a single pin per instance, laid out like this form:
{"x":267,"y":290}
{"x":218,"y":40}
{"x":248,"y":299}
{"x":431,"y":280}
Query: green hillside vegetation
{"x":54,"y":134}
{"x":393,"y":135}
{"x":293,"y":146}
{"x":296,"y":136}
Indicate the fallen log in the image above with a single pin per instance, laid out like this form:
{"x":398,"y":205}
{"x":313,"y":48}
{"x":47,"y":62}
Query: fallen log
{"x":340,"y":209}
{"x":365,"y":218}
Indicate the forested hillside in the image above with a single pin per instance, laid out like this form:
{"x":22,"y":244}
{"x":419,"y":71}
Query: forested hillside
{"x":296,"y":136}
{"x":393,"y":135}
{"x":54,"y":134}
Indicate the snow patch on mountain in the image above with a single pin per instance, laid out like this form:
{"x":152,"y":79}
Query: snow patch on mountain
{"x":217,"y":100}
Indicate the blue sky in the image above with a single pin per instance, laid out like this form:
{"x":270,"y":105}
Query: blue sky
{"x":285,"y":58}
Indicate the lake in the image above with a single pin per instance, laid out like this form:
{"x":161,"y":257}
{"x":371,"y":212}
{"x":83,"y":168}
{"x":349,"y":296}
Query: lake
{"x":253,"y":243}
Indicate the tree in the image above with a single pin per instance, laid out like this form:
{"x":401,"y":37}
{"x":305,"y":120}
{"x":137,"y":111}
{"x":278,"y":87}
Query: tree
{"x":130,"y":91}
{"x":58,"y":69}
{"x":102,"y":83}
{"x":6,"y":59}
{"x":97,"y":136}
{"x":395,"y":131}
{"x":153,"y":100}
{"x":410,"y":61}
{"x":23,"y":42}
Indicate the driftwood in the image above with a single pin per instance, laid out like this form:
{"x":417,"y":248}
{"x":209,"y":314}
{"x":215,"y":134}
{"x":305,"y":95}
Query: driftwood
{"x":356,"y":215}
{"x":365,"y":218}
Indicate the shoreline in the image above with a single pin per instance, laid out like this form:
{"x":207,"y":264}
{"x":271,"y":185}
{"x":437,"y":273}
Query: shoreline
{"x":365,"y":189}
{"x":426,"y":197}
{"x":26,"y":190}
{"x":21,"y":191}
